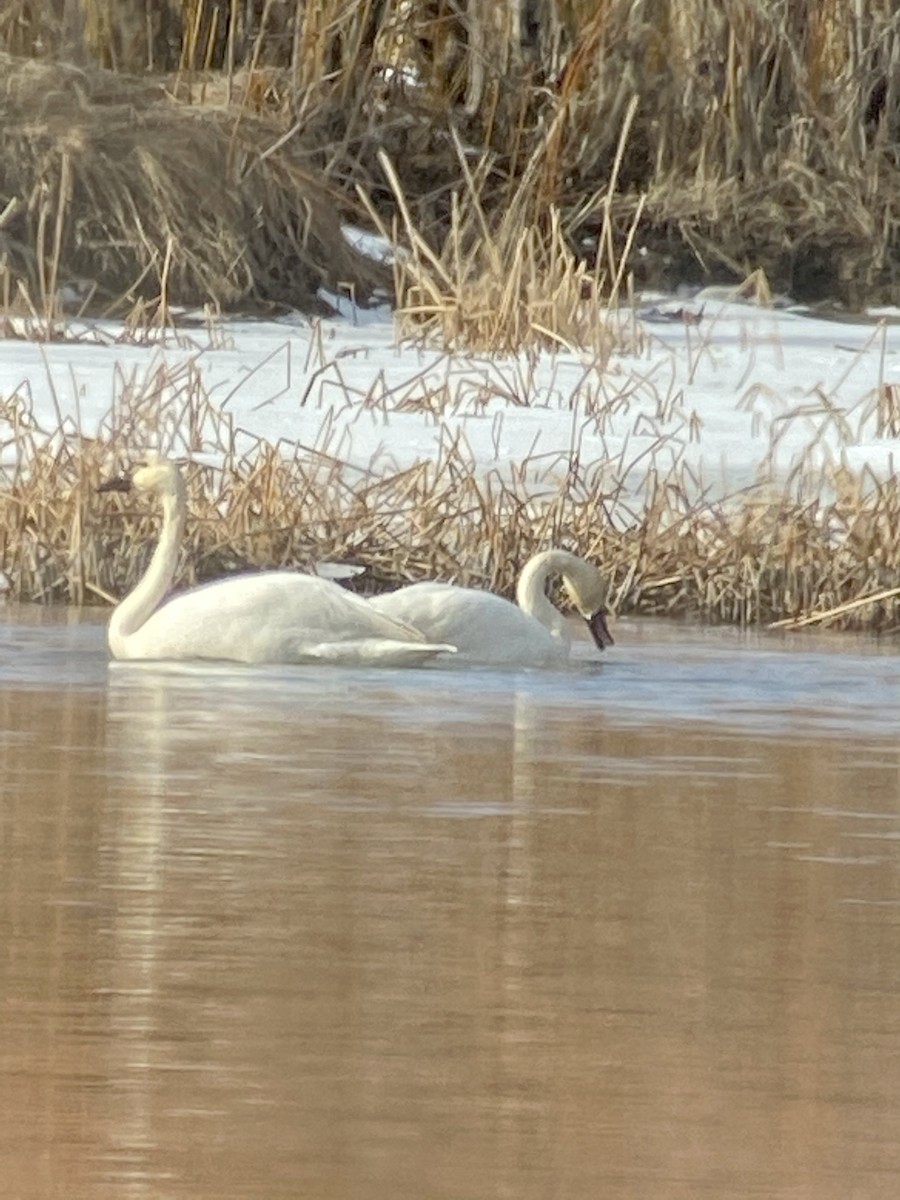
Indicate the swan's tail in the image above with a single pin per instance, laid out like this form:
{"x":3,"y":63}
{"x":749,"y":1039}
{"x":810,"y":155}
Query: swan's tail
{"x":373,"y":652}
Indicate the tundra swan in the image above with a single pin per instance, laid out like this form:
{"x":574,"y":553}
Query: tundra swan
{"x":273,"y":616}
{"x":487,"y":629}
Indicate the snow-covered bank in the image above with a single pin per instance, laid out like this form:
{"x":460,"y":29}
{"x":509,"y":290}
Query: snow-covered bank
{"x":746,"y":390}
{"x":697,"y":420}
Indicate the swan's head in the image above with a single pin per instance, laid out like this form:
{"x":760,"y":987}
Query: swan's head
{"x":155,"y":476}
{"x":588,"y":591}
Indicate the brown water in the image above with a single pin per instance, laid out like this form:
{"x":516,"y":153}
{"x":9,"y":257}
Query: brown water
{"x":627,"y":932}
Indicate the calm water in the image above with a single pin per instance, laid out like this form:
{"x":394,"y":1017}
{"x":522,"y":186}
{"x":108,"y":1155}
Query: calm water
{"x":633,"y":931}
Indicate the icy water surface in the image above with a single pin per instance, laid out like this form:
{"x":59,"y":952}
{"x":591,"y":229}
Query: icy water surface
{"x":631,"y":931}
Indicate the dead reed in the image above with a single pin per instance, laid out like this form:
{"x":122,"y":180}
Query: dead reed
{"x":499,"y":284}
{"x":116,"y":199}
{"x":764,"y":135}
{"x":766,"y":555}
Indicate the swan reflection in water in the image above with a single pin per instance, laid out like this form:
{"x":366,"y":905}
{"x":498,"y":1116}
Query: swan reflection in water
{"x":270,"y":814}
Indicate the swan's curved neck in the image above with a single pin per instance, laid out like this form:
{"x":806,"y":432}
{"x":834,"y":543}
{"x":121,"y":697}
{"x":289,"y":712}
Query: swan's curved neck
{"x":531,"y":590}
{"x":140,"y":603}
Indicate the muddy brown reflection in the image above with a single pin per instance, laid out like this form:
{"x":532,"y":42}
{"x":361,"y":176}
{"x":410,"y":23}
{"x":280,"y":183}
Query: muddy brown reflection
{"x":268,"y":938}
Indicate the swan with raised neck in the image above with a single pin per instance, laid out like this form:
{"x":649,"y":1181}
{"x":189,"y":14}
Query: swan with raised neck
{"x":265,"y":617}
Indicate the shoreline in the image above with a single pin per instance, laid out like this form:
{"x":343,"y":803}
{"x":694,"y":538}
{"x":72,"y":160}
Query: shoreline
{"x":318,"y":441}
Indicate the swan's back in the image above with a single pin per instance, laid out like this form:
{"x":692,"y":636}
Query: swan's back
{"x":274,"y":616}
{"x":484,"y":627}
{"x":271,"y":617}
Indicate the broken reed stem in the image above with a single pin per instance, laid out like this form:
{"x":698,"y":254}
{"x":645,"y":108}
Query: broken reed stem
{"x":816,"y":618}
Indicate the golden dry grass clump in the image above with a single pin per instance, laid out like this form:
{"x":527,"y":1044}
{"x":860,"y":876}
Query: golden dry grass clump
{"x":111,"y":189}
{"x":499,"y":283}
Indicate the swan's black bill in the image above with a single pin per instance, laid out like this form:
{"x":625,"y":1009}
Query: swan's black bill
{"x":121,"y":483}
{"x":596,"y":623}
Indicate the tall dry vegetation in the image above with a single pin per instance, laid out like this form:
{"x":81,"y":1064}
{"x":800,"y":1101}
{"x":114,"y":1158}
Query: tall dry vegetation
{"x":113,"y":194}
{"x":822,"y":547}
{"x":765,"y":135}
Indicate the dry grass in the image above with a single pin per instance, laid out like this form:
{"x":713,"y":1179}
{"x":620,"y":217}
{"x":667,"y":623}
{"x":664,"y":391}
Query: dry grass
{"x":763,"y":556}
{"x":115,"y":194}
{"x":500,"y":284}
{"x":764,"y":136}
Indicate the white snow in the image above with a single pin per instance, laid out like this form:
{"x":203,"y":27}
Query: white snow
{"x":745,"y":394}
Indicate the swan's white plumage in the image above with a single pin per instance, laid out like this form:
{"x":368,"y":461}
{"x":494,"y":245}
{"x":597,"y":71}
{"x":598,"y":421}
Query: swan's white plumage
{"x":274,"y":616}
{"x":271,"y":617}
{"x":487,"y":629}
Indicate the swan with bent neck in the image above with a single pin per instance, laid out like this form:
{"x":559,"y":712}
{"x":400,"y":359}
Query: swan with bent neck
{"x":489,"y":630}
{"x":270,"y":617}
